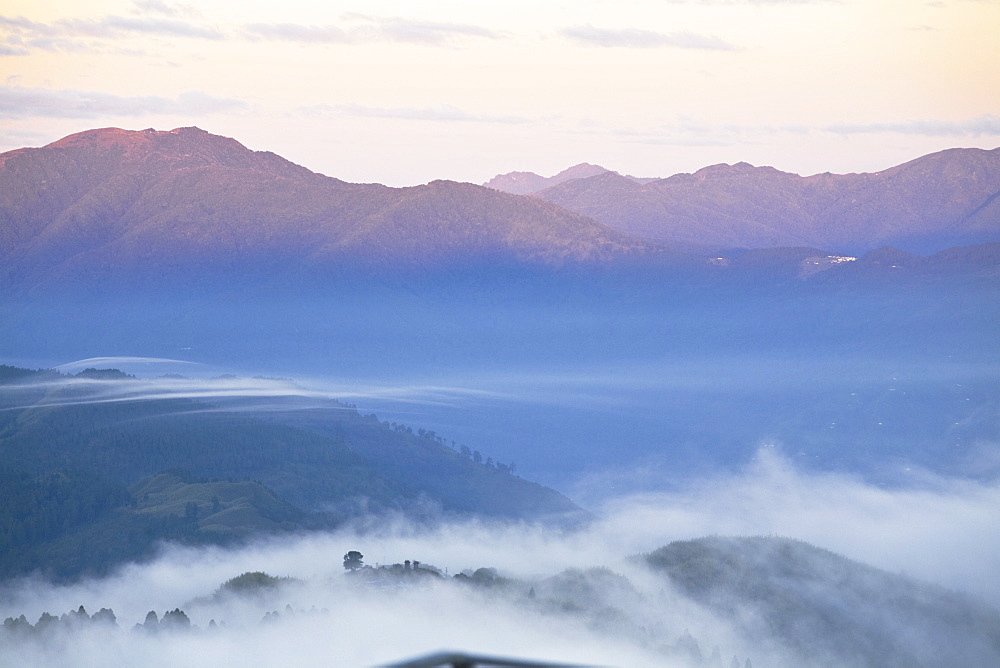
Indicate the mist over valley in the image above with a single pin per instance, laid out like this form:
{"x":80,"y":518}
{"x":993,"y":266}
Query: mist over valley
{"x":735,"y":415}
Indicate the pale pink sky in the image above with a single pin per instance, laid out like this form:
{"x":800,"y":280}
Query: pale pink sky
{"x":404,"y":92}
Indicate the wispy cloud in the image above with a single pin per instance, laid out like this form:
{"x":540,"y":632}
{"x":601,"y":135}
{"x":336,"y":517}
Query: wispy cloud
{"x":163,"y":8}
{"x":444,"y":112}
{"x":296,"y":32}
{"x":238,"y":392}
{"x":78,"y":34}
{"x":360,"y":28}
{"x":116,"y":26}
{"x":635,"y":38}
{"x":23,"y":102}
{"x":427,"y":32}
{"x":987,"y":124}
{"x":21,"y":23}
{"x":105,"y":362}
{"x":152,"y":18}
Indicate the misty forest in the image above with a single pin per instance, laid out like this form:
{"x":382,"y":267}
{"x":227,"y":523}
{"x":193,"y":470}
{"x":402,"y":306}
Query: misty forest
{"x":255,"y":415}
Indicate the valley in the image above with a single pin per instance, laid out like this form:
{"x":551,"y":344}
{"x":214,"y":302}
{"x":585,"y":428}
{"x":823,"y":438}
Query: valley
{"x":596,"y":388}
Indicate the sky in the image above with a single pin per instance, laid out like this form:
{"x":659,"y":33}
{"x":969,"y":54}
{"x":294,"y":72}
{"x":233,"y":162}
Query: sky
{"x":403,"y":92}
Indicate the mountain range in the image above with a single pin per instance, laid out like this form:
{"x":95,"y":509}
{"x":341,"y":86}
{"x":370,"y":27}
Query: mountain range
{"x":132,"y":199}
{"x":111,"y":202}
{"x":939,"y":200}
{"x":186,"y":245}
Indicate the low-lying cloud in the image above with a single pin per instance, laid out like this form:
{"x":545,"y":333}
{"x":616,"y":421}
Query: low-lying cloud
{"x":164,"y":379}
{"x":943,"y":531}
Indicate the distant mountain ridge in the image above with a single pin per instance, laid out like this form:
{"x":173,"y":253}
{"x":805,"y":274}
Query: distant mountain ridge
{"x":117,"y":198}
{"x":943,"y":199}
{"x":526,"y":183}
{"x":108,"y":205}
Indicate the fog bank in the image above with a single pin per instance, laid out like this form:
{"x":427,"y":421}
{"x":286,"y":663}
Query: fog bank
{"x":939,"y":530}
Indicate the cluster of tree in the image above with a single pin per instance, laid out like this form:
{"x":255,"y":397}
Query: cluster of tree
{"x":70,"y":530}
{"x":354,"y":563}
{"x":354,"y":560}
{"x":289,"y":611}
{"x":464,"y":450}
{"x":172,"y":620}
{"x":39,"y":508}
{"x":20,"y":627}
{"x":103,"y":374}
{"x":252,"y":582}
{"x":477,"y":457}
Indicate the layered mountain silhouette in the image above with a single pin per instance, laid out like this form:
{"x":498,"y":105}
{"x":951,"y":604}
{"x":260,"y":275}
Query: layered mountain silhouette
{"x":113,"y":197}
{"x":112,"y":202}
{"x":939,"y":200}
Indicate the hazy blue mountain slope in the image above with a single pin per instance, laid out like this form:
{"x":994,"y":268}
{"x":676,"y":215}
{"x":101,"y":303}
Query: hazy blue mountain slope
{"x":457,"y":482}
{"x":67,"y":524}
{"x":83,"y":460}
{"x":827,"y":609}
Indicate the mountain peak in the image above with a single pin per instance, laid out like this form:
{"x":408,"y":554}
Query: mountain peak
{"x":112,"y":135}
{"x":172,"y":149}
{"x":526,"y":183}
{"x":137,"y":201}
{"x":724,"y":170}
{"x":138,"y":140}
{"x":581,"y":171}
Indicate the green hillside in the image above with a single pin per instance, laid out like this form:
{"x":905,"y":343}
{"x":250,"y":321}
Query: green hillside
{"x":93,"y":480}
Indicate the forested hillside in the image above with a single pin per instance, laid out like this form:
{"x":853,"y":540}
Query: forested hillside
{"x":94,"y":479}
